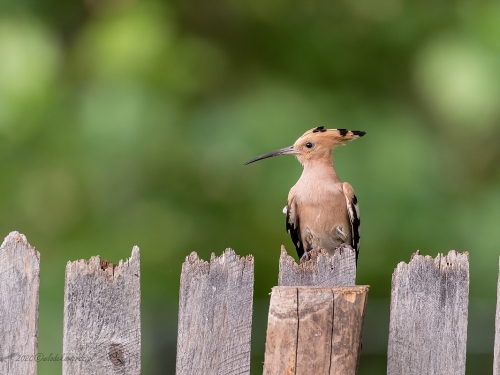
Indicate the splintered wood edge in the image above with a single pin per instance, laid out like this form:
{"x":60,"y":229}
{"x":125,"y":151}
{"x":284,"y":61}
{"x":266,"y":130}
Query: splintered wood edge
{"x":193,"y":260}
{"x":314,"y":256}
{"x":106,"y":269}
{"x":441,"y":262}
{"x":15,"y":237}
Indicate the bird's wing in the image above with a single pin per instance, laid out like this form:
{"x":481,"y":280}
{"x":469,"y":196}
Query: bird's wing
{"x":353,"y":210}
{"x":293,"y":226}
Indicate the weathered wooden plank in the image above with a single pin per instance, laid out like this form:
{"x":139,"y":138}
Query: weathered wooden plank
{"x":102,"y":324}
{"x":314,"y":346}
{"x":428,"y":326}
{"x":320,"y":270}
{"x":496,"y":360}
{"x":215,"y":315}
{"x":282,"y":332}
{"x":349,"y":313}
{"x":19,"y":288}
{"x":314,"y":330}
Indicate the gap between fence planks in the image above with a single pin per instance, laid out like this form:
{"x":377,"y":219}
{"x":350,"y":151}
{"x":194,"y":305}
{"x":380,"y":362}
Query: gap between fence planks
{"x":428,"y":323}
{"x":321,"y":269}
{"x":315,"y":330}
{"x":19,"y":290}
{"x":215,"y":315}
{"x":102,"y":324}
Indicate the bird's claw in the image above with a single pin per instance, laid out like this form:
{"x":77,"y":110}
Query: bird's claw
{"x":305,"y":257}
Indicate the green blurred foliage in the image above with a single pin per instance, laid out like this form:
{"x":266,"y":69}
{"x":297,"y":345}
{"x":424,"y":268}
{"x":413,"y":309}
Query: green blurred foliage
{"x":127,"y":123}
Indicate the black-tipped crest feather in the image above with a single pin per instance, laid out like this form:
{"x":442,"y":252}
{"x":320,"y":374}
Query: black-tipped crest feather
{"x":320,"y":129}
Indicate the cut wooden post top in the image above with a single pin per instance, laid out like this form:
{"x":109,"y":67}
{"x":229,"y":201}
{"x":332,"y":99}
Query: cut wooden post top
{"x":334,"y":289}
{"x":321,"y":269}
{"x":315,"y":330}
{"x":104,"y":268}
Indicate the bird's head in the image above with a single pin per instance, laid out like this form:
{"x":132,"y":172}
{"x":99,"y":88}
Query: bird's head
{"x":316,"y":143}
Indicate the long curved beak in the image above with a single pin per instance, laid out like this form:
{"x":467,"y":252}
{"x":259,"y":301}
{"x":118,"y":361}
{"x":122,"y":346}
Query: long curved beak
{"x":281,"y":151}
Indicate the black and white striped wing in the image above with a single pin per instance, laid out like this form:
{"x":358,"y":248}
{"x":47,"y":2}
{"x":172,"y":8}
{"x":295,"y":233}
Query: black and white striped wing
{"x":353,"y":211}
{"x":293,"y":227}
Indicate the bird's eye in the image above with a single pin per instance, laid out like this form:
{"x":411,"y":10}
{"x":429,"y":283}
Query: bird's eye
{"x":309,"y":144}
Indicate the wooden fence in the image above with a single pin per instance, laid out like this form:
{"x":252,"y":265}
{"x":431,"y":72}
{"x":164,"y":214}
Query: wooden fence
{"x":314,"y":324}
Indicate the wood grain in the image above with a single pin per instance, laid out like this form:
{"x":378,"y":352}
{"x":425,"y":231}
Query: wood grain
{"x":282,"y":332}
{"x":314,"y":330}
{"x":349,"y":313}
{"x":321,"y":269}
{"x":102,"y":324}
{"x":215,"y":315}
{"x":314,"y":346}
{"x":19,"y":290}
{"x":428,"y":323}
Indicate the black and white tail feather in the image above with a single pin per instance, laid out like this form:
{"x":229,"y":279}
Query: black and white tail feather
{"x":353,"y":210}
{"x":293,"y":228}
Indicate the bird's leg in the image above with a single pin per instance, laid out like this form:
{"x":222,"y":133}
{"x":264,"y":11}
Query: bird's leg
{"x":305,"y":256}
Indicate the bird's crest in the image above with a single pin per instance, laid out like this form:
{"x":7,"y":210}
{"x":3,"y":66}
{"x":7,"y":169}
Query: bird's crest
{"x":319,"y":129}
{"x":333,"y":137}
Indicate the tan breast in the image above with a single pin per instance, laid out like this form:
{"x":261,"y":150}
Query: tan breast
{"x":323,"y":217}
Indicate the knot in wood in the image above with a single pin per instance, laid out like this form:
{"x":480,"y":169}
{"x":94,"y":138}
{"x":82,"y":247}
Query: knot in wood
{"x":116,"y":355}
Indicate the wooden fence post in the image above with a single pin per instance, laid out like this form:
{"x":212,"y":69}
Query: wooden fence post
{"x":496,"y":359}
{"x":314,"y":330}
{"x":19,"y":288}
{"x":320,"y":270}
{"x":102,"y":323}
{"x":215,"y":315}
{"x":428,"y":324}
{"x":316,"y":316}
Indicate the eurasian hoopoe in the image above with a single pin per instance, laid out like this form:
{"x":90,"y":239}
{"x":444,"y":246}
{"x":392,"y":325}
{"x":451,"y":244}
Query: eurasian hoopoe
{"x":322,"y":211}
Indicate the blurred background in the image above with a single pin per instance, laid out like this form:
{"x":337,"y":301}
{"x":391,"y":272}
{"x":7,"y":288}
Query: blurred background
{"x":127,"y":123}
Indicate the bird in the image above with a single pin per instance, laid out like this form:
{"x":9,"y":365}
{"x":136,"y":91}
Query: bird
{"x":322,"y":212}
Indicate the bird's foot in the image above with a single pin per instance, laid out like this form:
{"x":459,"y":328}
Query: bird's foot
{"x":305,"y":257}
